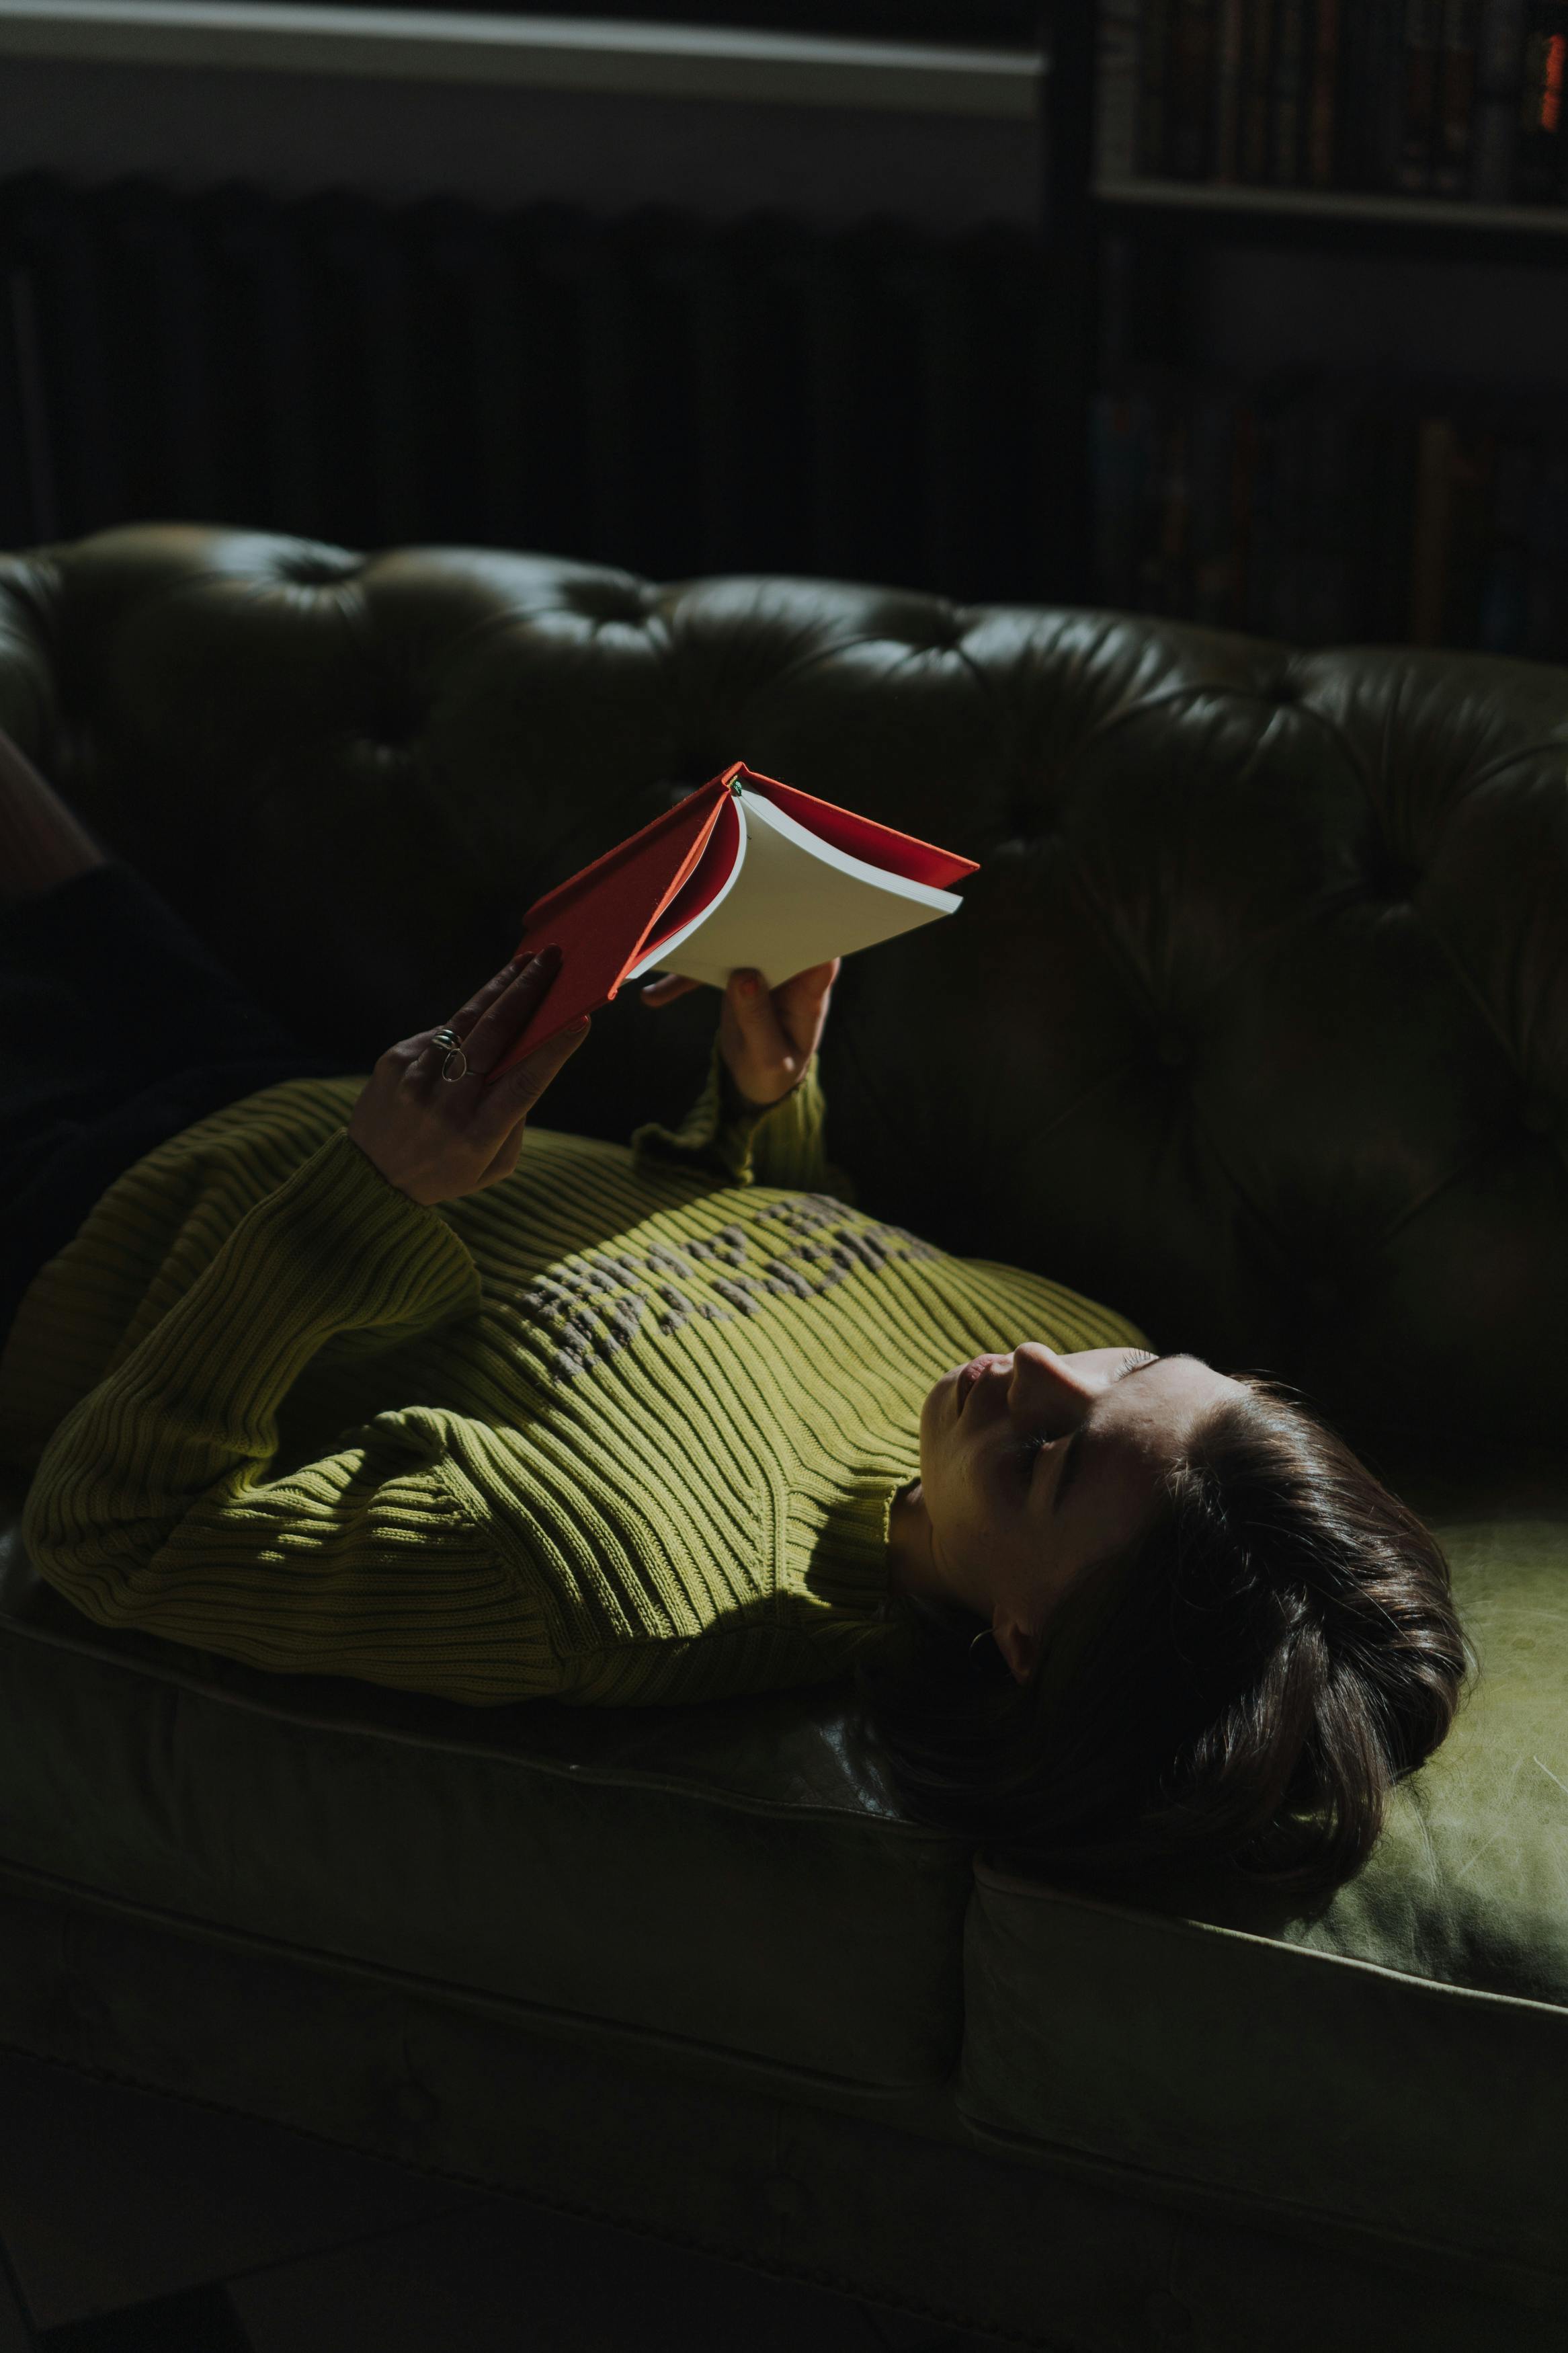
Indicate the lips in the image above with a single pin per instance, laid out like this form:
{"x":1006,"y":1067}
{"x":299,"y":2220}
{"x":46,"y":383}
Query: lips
{"x":967,"y":1377}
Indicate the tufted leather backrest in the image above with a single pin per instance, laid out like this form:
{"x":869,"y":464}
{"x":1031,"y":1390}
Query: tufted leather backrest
{"x":1254,"y":1021}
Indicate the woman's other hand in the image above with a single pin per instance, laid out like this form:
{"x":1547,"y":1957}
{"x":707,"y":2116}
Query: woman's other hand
{"x":437,"y":1139}
{"x":766,"y":1037}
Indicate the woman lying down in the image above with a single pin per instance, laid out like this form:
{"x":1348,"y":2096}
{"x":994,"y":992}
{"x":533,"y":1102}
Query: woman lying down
{"x":365,"y":1377}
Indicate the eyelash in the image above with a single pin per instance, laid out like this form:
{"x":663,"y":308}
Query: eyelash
{"x":1033,"y":1447}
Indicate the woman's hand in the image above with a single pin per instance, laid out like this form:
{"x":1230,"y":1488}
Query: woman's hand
{"x":766,"y":1037}
{"x":437,"y":1139}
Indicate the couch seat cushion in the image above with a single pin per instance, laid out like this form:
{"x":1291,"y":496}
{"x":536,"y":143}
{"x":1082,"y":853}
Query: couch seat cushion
{"x":1399,"y":2058}
{"x":734,"y":1874}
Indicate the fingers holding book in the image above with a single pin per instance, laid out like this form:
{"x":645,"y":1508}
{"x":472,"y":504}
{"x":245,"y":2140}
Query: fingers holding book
{"x":438,"y":1138}
{"x":766,"y":1037}
{"x":667,"y":987}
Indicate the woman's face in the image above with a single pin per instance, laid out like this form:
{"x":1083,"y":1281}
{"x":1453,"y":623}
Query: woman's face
{"x":1035,"y":1466}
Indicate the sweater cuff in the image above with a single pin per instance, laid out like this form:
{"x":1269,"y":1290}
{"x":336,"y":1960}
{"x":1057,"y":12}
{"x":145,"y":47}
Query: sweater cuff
{"x":350,"y":1248}
{"x":722,"y":1131}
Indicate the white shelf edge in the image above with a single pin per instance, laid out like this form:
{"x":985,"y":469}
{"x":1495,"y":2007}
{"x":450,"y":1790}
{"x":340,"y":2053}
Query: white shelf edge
{"x":1200,"y":196}
{"x":609,"y":55}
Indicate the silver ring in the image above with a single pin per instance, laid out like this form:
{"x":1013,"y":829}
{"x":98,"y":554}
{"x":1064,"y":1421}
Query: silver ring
{"x":453,"y":1045}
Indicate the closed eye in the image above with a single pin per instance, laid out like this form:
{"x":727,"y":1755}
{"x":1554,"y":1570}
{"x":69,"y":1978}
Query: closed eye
{"x":1031,"y":1447}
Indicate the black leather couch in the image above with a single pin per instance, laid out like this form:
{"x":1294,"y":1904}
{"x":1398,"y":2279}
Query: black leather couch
{"x":1255,"y":1025}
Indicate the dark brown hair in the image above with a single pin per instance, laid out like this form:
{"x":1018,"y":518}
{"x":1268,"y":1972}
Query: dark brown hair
{"x":1247,"y":1684}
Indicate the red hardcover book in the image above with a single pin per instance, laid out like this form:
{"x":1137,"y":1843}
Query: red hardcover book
{"x":744,"y":871}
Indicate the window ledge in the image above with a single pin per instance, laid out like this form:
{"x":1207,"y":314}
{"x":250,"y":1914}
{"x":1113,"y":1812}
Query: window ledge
{"x":594,"y":54}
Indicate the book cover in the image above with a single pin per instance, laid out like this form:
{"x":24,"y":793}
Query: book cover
{"x":1455,"y":99}
{"x":745,"y":870}
{"x":1499,"y":76}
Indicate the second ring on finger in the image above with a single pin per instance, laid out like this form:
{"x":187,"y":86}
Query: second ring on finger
{"x":450,"y":1046}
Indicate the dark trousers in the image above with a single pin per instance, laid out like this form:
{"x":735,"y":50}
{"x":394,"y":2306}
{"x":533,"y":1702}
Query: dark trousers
{"x":117,"y":1030}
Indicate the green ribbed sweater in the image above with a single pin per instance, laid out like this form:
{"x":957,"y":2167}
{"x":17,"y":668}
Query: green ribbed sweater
{"x":624,"y":1429}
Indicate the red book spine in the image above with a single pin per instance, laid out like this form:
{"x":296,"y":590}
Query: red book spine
{"x":1541,"y":117}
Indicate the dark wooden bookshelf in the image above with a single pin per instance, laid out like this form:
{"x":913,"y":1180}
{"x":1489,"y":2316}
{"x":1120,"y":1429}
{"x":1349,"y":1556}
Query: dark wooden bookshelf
{"x":1138,"y":247}
{"x":1435,"y":223}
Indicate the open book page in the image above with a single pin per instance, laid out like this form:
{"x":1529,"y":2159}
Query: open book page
{"x":794,"y":900}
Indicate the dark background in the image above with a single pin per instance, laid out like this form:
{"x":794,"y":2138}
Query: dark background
{"x":685,"y":336}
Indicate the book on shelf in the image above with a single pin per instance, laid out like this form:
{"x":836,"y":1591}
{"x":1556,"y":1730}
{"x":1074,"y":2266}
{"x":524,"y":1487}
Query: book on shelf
{"x":1322,"y":121}
{"x":1418,"y":115}
{"x":1189,"y":148}
{"x":1538,"y":171}
{"x":744,"y":870}
{"x":1154,"y":76}
{"x":1257,"y":68}
{"x":1499,"y":84}
{"x":1465,"y":100}
{"x":1287,"y":91}
{"x":1454,"y":104}
{"x":1116,"y":70}
{"x":1230,"y":59}
{"x":1326,"y":510}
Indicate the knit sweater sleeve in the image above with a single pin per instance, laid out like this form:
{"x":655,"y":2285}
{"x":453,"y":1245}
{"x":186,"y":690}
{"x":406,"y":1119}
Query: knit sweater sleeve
{"x":782,"y":1143}
{"x":152,"y":1506}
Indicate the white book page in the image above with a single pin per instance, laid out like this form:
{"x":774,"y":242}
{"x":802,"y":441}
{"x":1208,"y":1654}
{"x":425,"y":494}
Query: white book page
{"x":794,"y":902}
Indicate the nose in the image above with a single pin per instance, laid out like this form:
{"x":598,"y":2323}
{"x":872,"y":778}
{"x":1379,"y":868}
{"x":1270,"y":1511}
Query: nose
{"x":1043,"y":1380}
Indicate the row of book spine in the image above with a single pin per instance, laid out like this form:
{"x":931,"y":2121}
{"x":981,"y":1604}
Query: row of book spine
{"x":1463,"y":98}
{"x":1323,"y":512}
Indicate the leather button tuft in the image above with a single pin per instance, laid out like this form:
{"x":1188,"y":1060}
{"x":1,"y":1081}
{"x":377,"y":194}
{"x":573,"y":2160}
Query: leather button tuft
{"x":1173,"y":1051}
{"x":1539,"y":1119}
{"x":786,"y":2200}
{"x":1394,"y":878}
{"x":610,"y":603}
{"x":318,"y":567}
